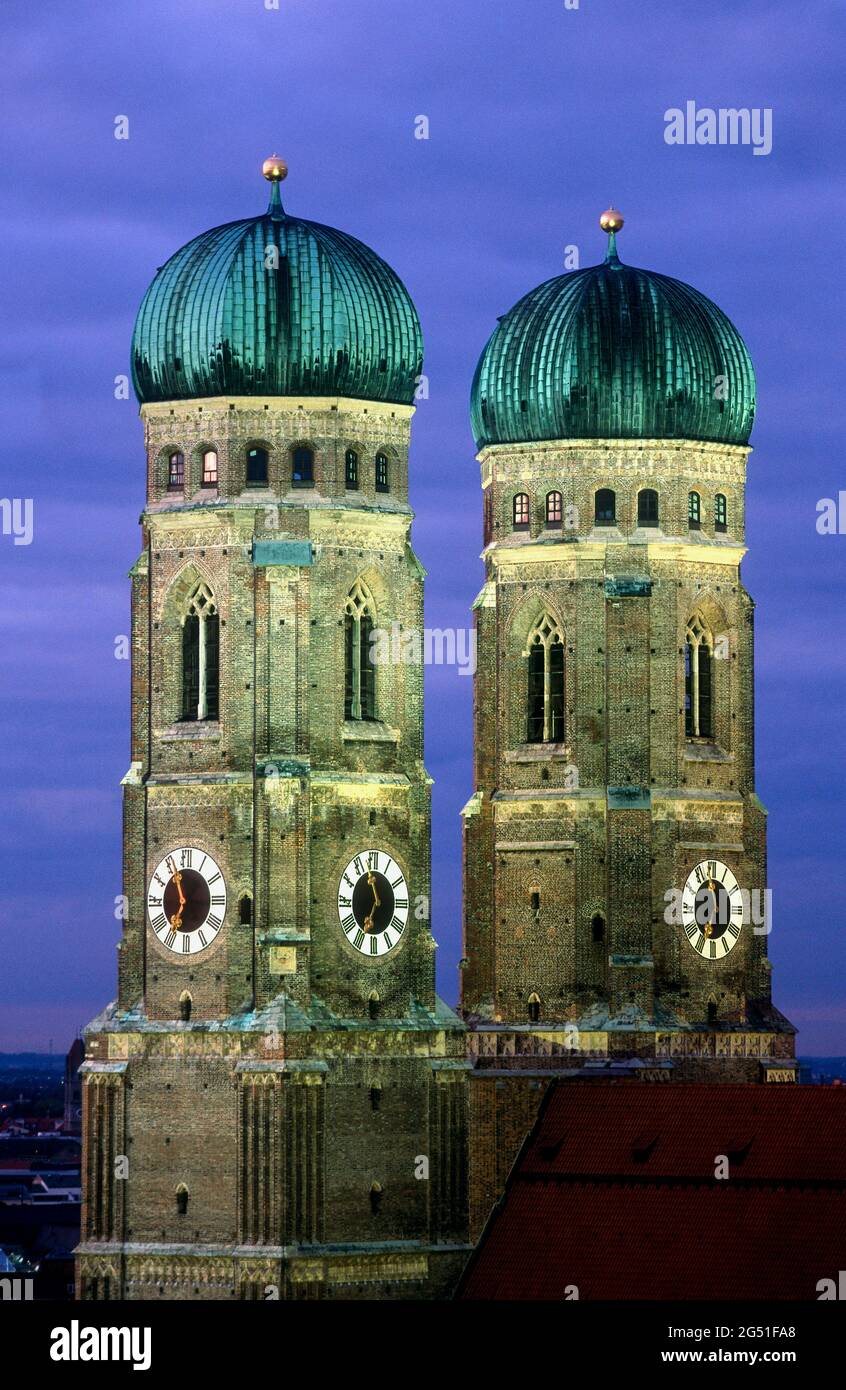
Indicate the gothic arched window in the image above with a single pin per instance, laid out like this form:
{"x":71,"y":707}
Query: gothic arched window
{"x":554,"y":509}
{"x":694,"y":511}
{"x":186,"y":1003}
{"x":302,"y":468}
{"x":182,"y":1200}
{"x":597,"y":926}
{"x":520,"y":511}
{"x":210,"y":468}
{"x":720,"y":513}
{"x":382,"y":473}
{"x":351,"y":469}
{"x":605,"y":507}
{"x":200,"y":655}
{"x":245,"y":909}
{"x":256,"y":467}
{"x":545,"y":723}
{"x":176,"y":471}
{"x":698,"y":658}
{"x":534,"y":1005}
{"x":359,"y":670}
{"x":647,"y":507}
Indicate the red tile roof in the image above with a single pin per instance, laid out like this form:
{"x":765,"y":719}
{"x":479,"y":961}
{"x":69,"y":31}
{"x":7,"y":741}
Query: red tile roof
{"x":615,"y":1192}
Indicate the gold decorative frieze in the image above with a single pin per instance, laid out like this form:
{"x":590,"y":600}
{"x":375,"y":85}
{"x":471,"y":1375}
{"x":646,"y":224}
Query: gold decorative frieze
{"x":684,"y":1044}
{"x":360,"y":1269}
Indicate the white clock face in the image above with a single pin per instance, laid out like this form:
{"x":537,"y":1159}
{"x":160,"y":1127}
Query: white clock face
{"x":712,"y":909}
{"x":186,"y":901}
{"x":373,"y":903}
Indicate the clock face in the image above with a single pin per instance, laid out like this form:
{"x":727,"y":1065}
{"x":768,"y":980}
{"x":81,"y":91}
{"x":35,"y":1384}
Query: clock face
{"x":186,"y":901}
{"x":373,"y":903}
{"x":712,"y":909}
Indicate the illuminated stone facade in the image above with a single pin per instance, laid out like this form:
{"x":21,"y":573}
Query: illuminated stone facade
{"x":277,"y":1115}
{"x":577,"y":847}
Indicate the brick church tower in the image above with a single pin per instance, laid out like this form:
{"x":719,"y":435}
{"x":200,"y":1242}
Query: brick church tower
{"x":615,"y":850}
{"x":275,"y":1105}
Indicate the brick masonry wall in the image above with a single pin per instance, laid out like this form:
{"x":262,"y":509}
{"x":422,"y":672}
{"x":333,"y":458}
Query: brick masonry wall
{"x":548,"y":851}
{"x":262,"y":1105}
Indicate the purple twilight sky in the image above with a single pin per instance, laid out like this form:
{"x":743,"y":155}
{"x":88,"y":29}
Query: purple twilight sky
{"x":540,"y":115}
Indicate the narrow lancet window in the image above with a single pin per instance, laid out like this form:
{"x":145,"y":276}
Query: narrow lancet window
{"x":698,"y":658}
{"x":359,"y":670}
{"x":545,"y":683}
{"x":200,"y":656}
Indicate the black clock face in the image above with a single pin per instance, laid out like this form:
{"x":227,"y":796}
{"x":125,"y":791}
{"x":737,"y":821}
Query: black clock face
{"x":186,"y":901}
{"x":373,"y":903}
{"x":191,"y":909}
{"x":712,"y":911}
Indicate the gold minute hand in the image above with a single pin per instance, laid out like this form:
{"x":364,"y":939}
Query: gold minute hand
{"x":176,"y":919}
{"x":377,"y":902}
{"x":709,"y":926}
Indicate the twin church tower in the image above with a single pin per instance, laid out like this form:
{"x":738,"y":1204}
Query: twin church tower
{"x":278,"y":1105}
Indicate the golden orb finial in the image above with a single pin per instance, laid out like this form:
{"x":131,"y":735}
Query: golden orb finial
{"x":274,"y":169}
{"x":611,"y":220}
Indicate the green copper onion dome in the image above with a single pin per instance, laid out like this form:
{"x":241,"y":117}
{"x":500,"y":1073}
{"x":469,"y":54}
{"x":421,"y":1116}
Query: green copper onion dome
{"x":613,"y":352}
{"x":276,"y":306}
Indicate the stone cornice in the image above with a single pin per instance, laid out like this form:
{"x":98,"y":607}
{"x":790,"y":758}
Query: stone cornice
{"x":280,"y":405}
{"x":631,"y":452}
{"x":669,"y":549}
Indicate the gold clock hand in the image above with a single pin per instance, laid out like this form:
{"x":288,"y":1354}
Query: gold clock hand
{"x":709,"y":929}
{"x":377,"y":902}
{"x":176,"y":919}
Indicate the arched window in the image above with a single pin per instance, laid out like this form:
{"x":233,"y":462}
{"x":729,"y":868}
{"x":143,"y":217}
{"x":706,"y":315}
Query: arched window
{"x":256,"y":467}
{"x":605,"y":507}
{"x":359,"y":670}
{"x":374,"y":1004}
{"x":534,"y":1005}
{"x":376,"y":1195}
{"x":545,"y":683}
{"x":210,"y":468}
{"x":351,"y":469}
{"x":720,"y":513}
{"x":245,"y":909}
{"x":647,"y":507}
{"x":712,"y":1011}
{"x":186,"y":1003}
{"x":176,"y":472}
{"x":182,"y":1200}
{"x":520,"y":512}
{"x":597,"y":927}
{"x":698,"y":656}
{"x":694,"y":511}
{"x":200,"y":656}
{"x":554,"y":509}
{"x":375,"y":1098}
{"x":382,"y":473}
{"x":302,"y":467}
